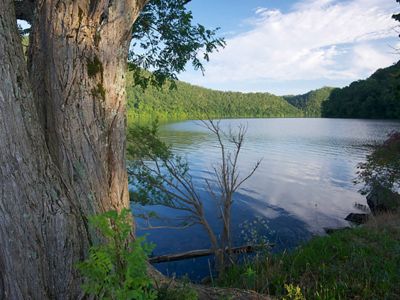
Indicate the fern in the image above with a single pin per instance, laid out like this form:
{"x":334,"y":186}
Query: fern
{"x":116,"y":268}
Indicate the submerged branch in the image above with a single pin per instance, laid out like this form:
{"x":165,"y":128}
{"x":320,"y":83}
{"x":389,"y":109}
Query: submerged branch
{"x":203,"y":252}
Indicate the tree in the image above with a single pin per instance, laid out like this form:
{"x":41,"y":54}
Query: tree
{"x":380,"y":175}
{"x":163,"y":178}
{"x":376,"y":97}
{"x":62,"y":135}
{"x":397,"y":16}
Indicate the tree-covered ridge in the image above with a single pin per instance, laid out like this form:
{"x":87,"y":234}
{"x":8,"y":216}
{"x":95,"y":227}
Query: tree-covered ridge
{"x":376,"y":97}
{"x":311,"y":102}
{"x":189,"y":102}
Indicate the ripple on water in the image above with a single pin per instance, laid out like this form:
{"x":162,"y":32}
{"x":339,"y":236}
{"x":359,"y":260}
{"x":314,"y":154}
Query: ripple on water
{"x":303,"y":184}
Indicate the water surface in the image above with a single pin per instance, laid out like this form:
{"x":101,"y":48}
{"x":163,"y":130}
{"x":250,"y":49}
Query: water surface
{"x":304,"y":183}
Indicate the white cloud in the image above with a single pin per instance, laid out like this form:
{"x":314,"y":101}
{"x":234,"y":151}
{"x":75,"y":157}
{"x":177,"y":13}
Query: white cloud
{"x":368,"y":59}
{"x":315,"y":40}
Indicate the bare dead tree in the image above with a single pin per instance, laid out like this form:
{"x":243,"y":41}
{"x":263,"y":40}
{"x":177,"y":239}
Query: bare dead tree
{"x":164,"y":178}
{"x":227,"y":175}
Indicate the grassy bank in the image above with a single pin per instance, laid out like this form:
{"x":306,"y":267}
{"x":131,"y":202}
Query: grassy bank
{"x":359,"y":263}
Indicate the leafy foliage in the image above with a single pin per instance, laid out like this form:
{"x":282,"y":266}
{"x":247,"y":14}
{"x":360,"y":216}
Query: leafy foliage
{"x":375,"y":97}
{"x":382,"y":166}
{"x":117,"y":268}
{"x":151,"y":186}
{"x":293,"y":292}
{"x":146,"y":143}
{"x":165,"y":40}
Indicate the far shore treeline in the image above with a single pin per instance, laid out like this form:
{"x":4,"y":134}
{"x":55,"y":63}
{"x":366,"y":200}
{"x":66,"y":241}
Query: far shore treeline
{"x":377,"y":97}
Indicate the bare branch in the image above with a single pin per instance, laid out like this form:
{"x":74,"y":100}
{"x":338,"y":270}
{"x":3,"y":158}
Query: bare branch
{"x":250,"y":174}
{"x":178,"y":184}
{"x":210,"y":190}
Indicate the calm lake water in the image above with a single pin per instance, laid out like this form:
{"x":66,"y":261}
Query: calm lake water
{"x":304,"y":183}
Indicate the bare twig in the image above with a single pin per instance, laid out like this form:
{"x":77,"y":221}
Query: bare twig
{"x":178,"y":184}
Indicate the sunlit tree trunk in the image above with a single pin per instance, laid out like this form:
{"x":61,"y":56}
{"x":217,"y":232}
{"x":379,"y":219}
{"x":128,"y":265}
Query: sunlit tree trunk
{"x":62,"y":139}
{"x":77,"y":63}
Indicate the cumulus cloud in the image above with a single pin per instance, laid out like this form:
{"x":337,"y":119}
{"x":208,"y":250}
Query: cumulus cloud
{"x":315,"y":40}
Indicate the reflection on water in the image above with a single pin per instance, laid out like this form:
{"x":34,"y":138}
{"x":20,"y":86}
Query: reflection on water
{"x":303,"y":184}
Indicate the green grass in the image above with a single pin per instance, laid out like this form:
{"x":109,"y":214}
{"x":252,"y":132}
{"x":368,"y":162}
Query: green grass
{"x":361,"y":263}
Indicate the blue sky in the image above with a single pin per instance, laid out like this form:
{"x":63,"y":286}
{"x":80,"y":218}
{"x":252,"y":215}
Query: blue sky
{"x":291,"y":47}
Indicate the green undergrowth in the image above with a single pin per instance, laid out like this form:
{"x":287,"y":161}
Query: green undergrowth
{"x":117,"y":268}
{"x":181,"y":291}
{"x":359,"y":263}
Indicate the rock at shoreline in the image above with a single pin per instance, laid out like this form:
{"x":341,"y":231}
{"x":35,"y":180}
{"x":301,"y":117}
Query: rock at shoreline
{"x":334,"y":230}
{"x":382,"y":199}
{"x":357,"y":218}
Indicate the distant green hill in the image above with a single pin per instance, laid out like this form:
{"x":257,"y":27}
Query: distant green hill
{"x":376,"y":97}
{"x":311,"y":102}
{"x":192,"y":102}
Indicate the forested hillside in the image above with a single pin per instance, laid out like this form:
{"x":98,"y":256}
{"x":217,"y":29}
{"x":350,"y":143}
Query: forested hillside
{"x":189,"y":101}
{"x":311,"y":102}
{"x":376,"y":97}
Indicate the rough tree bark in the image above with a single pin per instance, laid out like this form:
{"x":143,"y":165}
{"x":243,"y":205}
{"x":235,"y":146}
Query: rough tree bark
{"x":77,"y":63}
{"x":62,"y":139}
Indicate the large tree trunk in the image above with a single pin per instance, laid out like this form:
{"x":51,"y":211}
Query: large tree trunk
{"x":62,"y":139}
{"x":77,"y":63}
{"x":42,"y":231}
